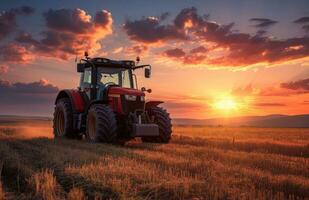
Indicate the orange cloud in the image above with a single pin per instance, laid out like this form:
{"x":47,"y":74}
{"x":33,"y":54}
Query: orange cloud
{"x":137,"y":50}
{"x":15,"y":53}
{"x":4,"y":69}
{"x":242,"y":49}
{"x":69,"y":33}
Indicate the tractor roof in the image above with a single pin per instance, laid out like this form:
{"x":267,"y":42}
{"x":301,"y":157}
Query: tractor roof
{"x":105,"y":62}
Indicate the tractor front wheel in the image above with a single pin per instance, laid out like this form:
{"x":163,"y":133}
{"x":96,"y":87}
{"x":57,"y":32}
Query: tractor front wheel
{"x":101,"y":124}
{"x":163,"y":120}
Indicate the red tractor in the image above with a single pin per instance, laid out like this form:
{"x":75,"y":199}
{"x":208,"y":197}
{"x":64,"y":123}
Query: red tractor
{"x":108,"y":107}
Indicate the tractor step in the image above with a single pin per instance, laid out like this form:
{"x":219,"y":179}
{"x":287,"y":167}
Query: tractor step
{"x":141,"y":130}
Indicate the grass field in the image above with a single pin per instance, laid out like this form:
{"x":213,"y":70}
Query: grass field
{"x":199,"y":163}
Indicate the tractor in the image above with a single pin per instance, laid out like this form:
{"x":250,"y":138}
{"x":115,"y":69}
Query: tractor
{"x":108,"y":106}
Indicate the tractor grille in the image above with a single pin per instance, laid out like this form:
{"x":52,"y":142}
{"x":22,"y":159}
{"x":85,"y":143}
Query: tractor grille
{"x":131,"y":106}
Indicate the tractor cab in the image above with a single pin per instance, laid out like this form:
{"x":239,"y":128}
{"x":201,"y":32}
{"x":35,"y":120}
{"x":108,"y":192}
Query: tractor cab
{"x":99,"y":74}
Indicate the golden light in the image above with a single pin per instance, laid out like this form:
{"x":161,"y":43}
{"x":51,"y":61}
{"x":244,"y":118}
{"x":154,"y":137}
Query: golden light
{"x":226,"y":104}
{"x":188,"y":24}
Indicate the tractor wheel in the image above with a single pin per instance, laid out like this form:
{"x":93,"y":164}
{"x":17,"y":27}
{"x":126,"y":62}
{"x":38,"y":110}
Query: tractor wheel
{"x":101,"y":124}
{"x":163,"y":120}
{"x":63,"y":120}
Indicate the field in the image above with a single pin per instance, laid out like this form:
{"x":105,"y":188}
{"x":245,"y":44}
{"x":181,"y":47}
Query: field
{"x":199,"y":163}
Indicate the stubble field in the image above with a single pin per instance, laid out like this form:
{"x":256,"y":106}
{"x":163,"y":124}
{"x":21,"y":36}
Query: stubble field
{"x":199,"y":163}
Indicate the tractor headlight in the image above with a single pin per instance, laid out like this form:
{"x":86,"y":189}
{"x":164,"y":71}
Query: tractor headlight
{"x":130,"y":97}
{"x":142,"y":98}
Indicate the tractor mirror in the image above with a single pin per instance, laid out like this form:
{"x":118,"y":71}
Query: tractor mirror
{"x":80,"y":67}
{"x":147,"y":73}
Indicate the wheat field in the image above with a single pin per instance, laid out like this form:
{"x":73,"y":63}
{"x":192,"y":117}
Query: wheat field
{"x":199,"y":163}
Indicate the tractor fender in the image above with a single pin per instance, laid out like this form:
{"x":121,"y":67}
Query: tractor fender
{"x":75,"y":97}
{"x":150,"y":104}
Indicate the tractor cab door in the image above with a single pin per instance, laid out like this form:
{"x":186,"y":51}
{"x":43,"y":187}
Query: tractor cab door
{"x":85,"y":81}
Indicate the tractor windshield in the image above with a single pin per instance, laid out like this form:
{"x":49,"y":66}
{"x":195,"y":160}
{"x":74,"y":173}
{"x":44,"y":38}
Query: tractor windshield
{"x":115,"y":76}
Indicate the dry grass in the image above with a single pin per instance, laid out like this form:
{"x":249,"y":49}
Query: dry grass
{"x":199,"y":163}
{"x":45,"y":185}
{"x":76,"y":194}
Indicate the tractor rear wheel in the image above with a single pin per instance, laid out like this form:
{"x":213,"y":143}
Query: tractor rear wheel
{"x":63,"y":120}
{"x":163,"y":120}
{"x":101,"y":124}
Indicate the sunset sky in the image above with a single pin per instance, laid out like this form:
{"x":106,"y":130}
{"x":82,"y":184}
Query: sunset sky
{"x":209,"y":58}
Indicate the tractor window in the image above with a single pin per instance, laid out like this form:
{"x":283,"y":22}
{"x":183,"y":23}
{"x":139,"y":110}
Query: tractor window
{"x":87,"y":76}
{"x":108,"y":78}
{"x":125,"y":76}
{"x":114,"y":76}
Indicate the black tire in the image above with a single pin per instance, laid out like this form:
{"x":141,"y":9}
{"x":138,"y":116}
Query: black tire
{"x":163,"y":120}
{"x":63,"y":120}
{"x":101,"y":124}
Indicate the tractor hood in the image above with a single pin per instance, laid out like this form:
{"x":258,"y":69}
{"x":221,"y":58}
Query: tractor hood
{"x":123,"y":91}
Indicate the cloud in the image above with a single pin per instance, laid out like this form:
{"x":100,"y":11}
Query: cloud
{"x":302,"y":85}
{"x":150,"y":30}
{"x":187,"y":18}
{"x":194,"y":56}
{"x":40,"y":87}
{"x":287,"y":89}
{"x":269,"y":104}
{"x":297,"y":87}
{"x":306,"y":27}
{"x":8,"y":19}
{"x":27,"y":98}
{"x":175,"y":53}
{"x":15,"y":53}
{"x":263,"y":22}
{"x":69,"y":33}
{"x":4,"y":69}
{"x":243,"y":91}
{"x":137,"y":50}
{"x":237,"y":49}
{"x":302,"y":20}
{"x":199,"y":49}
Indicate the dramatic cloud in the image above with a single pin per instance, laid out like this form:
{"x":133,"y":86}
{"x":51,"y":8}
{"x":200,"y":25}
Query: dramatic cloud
{"x":149,"y":30}
{"x":15,"y":53}
{"x":194,"y":56}
{"x":188,"y":18}
{"x":8,"y":20}
{"x":237,"y":49}
{"x":69,"y":33}
{"x":263,"y":22}
{"x":27,"y":98}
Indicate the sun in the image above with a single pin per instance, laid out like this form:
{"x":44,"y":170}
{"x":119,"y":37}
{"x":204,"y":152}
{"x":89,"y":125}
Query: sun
{"x":226,"y":104}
